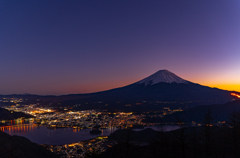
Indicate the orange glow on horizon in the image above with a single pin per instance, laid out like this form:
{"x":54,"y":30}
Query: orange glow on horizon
{"x":227,"y":87}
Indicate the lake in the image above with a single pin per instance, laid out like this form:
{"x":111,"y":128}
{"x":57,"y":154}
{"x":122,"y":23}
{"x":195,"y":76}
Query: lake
{"x":60,"y":136}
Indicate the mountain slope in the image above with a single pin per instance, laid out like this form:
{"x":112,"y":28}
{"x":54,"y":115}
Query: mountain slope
{"x":166,"y":86}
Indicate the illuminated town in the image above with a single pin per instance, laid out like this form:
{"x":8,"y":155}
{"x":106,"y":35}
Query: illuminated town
{"x":79,"y":119}
{"x":94,"y":120}
{"x":52,"y":118}
{"x":80,"y":149}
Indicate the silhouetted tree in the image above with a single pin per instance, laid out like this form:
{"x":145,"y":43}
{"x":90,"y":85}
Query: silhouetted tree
{"x":234,"y":123}
{"x":182,"y":137}
{"x":208,"y":132}
{"x":193,"y":143}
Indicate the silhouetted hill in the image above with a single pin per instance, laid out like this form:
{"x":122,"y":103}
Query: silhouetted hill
{"x":8,"y":115}
{"x":142,"y":136}
{"x":220,"y":112}
{"x":20,"y":147}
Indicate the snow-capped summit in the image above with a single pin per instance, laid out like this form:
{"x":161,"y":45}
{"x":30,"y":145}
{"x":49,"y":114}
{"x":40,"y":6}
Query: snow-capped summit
{"x":162,"y":76}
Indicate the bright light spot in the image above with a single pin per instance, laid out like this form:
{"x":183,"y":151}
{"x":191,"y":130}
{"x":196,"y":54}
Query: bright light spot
{"x":236,"y":95}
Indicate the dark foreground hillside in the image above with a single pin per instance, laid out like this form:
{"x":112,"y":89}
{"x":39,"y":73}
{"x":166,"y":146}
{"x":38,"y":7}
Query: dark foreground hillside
{"x":192,"y":142}
{"x":206,"y":141}
{"x":20,"y":147}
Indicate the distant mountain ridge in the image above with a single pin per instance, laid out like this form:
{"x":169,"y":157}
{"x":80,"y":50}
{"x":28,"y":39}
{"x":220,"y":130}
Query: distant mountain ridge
{"x":162,"y":87}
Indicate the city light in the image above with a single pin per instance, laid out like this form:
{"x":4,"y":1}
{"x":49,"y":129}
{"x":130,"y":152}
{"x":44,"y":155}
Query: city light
{"x":236,"y":95}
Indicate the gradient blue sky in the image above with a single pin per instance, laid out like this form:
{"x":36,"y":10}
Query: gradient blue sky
{"x":61,"y":47}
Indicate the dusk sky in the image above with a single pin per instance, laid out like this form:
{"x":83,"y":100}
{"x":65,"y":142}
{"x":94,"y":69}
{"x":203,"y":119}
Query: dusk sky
{"x":81,"y":46}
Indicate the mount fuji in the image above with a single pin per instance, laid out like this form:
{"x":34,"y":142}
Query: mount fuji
{"x":160,"y":87}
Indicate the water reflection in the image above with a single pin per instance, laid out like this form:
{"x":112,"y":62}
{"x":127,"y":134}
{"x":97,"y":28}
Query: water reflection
{"x":43,"y":135}
{"x":23,"y":128}
{"x":59,"y":136}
